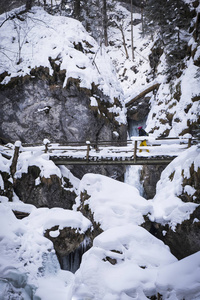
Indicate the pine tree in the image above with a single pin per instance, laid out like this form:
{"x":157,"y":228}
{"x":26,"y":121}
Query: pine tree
{"x":77,"y":9}
{"x":170,"y":19}
{"x":95,"y":16}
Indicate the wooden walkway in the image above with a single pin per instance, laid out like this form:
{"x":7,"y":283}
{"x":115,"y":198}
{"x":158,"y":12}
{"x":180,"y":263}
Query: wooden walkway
{"x":130,"y":152}
{"x":157,"y":152}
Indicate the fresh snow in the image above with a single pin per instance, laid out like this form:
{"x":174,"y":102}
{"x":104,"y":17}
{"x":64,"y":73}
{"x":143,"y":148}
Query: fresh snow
{"x":31,"y":43}
{"x":180,"y":280}
{"x":169,"y":208}
{"x":135,"y":270}
{"x":125,"y":262}
{"x":128,"y":207}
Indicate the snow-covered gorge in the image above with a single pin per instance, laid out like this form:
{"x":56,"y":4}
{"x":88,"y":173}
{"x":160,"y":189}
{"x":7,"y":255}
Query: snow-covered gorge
{"x":126,"y":260}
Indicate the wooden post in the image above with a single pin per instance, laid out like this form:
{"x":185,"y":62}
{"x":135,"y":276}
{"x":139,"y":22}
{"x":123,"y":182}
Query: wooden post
{"x":46,"y":148}
{"x":135,"y":151}
{"x":96,"y":146}
{"x":189,"y":142}
{"x":88,"y":150}
{"x":46,"y":142}
{"x":13,"y":166}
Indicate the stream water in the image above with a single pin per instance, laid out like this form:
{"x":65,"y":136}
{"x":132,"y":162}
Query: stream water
{"x":132,"y":175}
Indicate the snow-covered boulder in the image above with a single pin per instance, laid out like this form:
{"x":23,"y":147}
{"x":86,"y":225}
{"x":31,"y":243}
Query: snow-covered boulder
{"x":176,"y":205}
{"x":118,"y":266}
{"x":28,"y":259}
{"x":111,"y":203}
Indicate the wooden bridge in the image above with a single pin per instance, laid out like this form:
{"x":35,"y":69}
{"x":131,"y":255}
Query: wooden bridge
{"x":158,"y":151}
{"x":119,"y":153}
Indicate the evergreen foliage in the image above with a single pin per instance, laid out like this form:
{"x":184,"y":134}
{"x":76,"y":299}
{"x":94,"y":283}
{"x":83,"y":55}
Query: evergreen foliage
{"x":96,"y":16}
{"x":172,"y":21}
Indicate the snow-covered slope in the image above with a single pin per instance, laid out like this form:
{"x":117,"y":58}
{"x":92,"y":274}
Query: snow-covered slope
{"x":168,"y":207}
{"x":34,"y":39}
{"x":125,"y":262}
{"x":174,"y":108}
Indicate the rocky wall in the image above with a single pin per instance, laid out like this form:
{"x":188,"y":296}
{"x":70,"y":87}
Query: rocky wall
{"x":37,"y":107}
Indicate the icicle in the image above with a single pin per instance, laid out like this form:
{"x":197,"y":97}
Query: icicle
{"x":72,"y":261}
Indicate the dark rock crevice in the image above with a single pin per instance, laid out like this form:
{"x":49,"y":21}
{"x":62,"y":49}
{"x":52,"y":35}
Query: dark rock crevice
{"x":69,"y":245}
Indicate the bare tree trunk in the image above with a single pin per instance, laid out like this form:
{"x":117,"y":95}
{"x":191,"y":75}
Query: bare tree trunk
{"x":142,"y":15}
{"x":124,"y":41}
{"x":132,"y":47}
{"x":77,"y":8}
{"x":105,"y":23}
{"x":28,"y":4}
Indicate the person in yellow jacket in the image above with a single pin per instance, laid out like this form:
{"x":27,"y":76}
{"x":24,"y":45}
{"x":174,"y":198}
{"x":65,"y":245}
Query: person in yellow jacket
{"x":142,"y":132}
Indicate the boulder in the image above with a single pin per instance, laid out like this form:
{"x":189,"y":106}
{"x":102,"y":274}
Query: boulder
{"x":50,"y":192}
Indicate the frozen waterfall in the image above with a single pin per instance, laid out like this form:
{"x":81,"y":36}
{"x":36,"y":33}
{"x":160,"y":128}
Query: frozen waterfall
{"x":132,"y":175}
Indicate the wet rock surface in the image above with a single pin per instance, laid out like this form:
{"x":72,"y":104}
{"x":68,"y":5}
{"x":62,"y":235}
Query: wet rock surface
{"x":48,"y":193}
{"x":69,"y":245}
{"x":33,"y":109}
{"x":184,"y":240}
{"x":139,"y":110}
{"x":38,"y":108}
{"x":150,"y":176}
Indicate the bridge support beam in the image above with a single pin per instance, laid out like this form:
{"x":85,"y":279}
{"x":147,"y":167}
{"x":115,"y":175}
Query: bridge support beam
{"x":138,"y":161}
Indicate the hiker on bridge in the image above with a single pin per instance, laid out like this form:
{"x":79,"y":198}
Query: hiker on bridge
{"x":142,"y":132}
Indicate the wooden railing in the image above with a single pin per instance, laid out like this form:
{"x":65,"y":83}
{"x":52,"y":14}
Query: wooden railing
{"x":160,"y":151}
{"x":119,"y":152}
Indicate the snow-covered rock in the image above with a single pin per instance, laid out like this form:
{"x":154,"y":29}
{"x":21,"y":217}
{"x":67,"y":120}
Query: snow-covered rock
{"x":51,"y":67}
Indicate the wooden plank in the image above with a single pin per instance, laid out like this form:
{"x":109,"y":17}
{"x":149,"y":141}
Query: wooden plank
{"x":139,"y":161}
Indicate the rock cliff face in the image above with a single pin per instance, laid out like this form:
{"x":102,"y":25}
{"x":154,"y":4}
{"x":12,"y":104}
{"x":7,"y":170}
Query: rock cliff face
{"x":184,"y":240}
{"x":69,"y":246}
{"x":150,"y":176}
{"x":36,"y":108}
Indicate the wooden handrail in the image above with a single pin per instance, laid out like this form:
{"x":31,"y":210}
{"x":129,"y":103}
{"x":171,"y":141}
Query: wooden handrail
{"x":111,"y":143}
{"x":88,"y":151}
